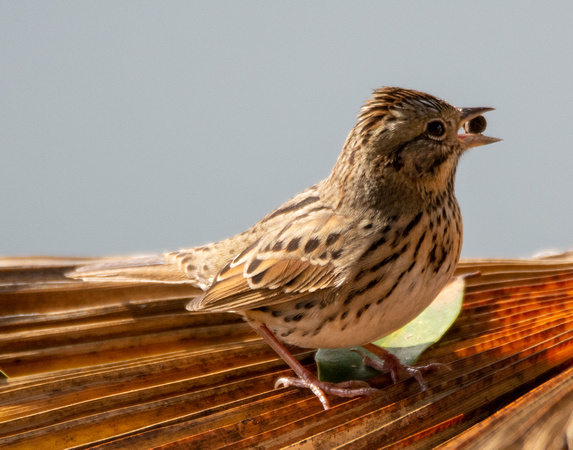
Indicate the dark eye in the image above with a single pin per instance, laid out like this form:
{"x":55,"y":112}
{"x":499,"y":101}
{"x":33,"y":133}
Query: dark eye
{"x":435,"y":128}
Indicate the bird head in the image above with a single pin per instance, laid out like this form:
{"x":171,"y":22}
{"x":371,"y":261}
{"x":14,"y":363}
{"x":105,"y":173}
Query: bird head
{"x":408,"y":138}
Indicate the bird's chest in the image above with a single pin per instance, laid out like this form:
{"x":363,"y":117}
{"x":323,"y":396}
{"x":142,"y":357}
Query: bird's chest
{"x":393,"y":284}
{"x":409,"y":287}
{"x":395,"y":296}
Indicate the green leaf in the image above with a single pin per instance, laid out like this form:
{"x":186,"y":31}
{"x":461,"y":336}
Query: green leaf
{"x":407,"y":343}
{"x":3,"y":376}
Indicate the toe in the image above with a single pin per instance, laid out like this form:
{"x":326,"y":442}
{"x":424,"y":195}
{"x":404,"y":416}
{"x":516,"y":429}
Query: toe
{"x":353,"y":388}
{"x":389,"y":362}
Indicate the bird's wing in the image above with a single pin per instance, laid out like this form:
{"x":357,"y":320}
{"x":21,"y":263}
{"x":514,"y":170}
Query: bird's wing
{"x":310,"y":254}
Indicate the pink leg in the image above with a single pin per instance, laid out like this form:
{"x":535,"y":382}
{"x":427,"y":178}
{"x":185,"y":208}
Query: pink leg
{"x":388,"y":362}
{"x":307,"y":380}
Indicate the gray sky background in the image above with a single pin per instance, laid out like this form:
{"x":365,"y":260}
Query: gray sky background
{"x":137,"y":126}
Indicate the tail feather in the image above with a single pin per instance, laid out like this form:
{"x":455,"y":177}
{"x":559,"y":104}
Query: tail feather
{"x":142,"y":269}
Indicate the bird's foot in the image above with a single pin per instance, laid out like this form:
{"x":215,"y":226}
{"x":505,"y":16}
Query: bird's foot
{"x":306,"y":379}
{"x":390,"y":363}
{"x":319,"y":388}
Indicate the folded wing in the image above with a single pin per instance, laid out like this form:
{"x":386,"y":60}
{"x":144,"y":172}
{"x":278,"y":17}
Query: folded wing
{"x":304,"y":257}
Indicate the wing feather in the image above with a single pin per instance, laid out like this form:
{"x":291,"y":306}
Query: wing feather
{"x":311,"y":253}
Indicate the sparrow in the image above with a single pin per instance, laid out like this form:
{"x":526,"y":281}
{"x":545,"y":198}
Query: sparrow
{"x":349,"y":260}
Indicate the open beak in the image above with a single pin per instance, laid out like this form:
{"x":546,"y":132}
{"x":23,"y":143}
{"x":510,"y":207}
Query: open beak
{"x":470,"y":139}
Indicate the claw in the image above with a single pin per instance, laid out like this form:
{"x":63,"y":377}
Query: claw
{"x":281,"y":382}
{"x":390,"y":363}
